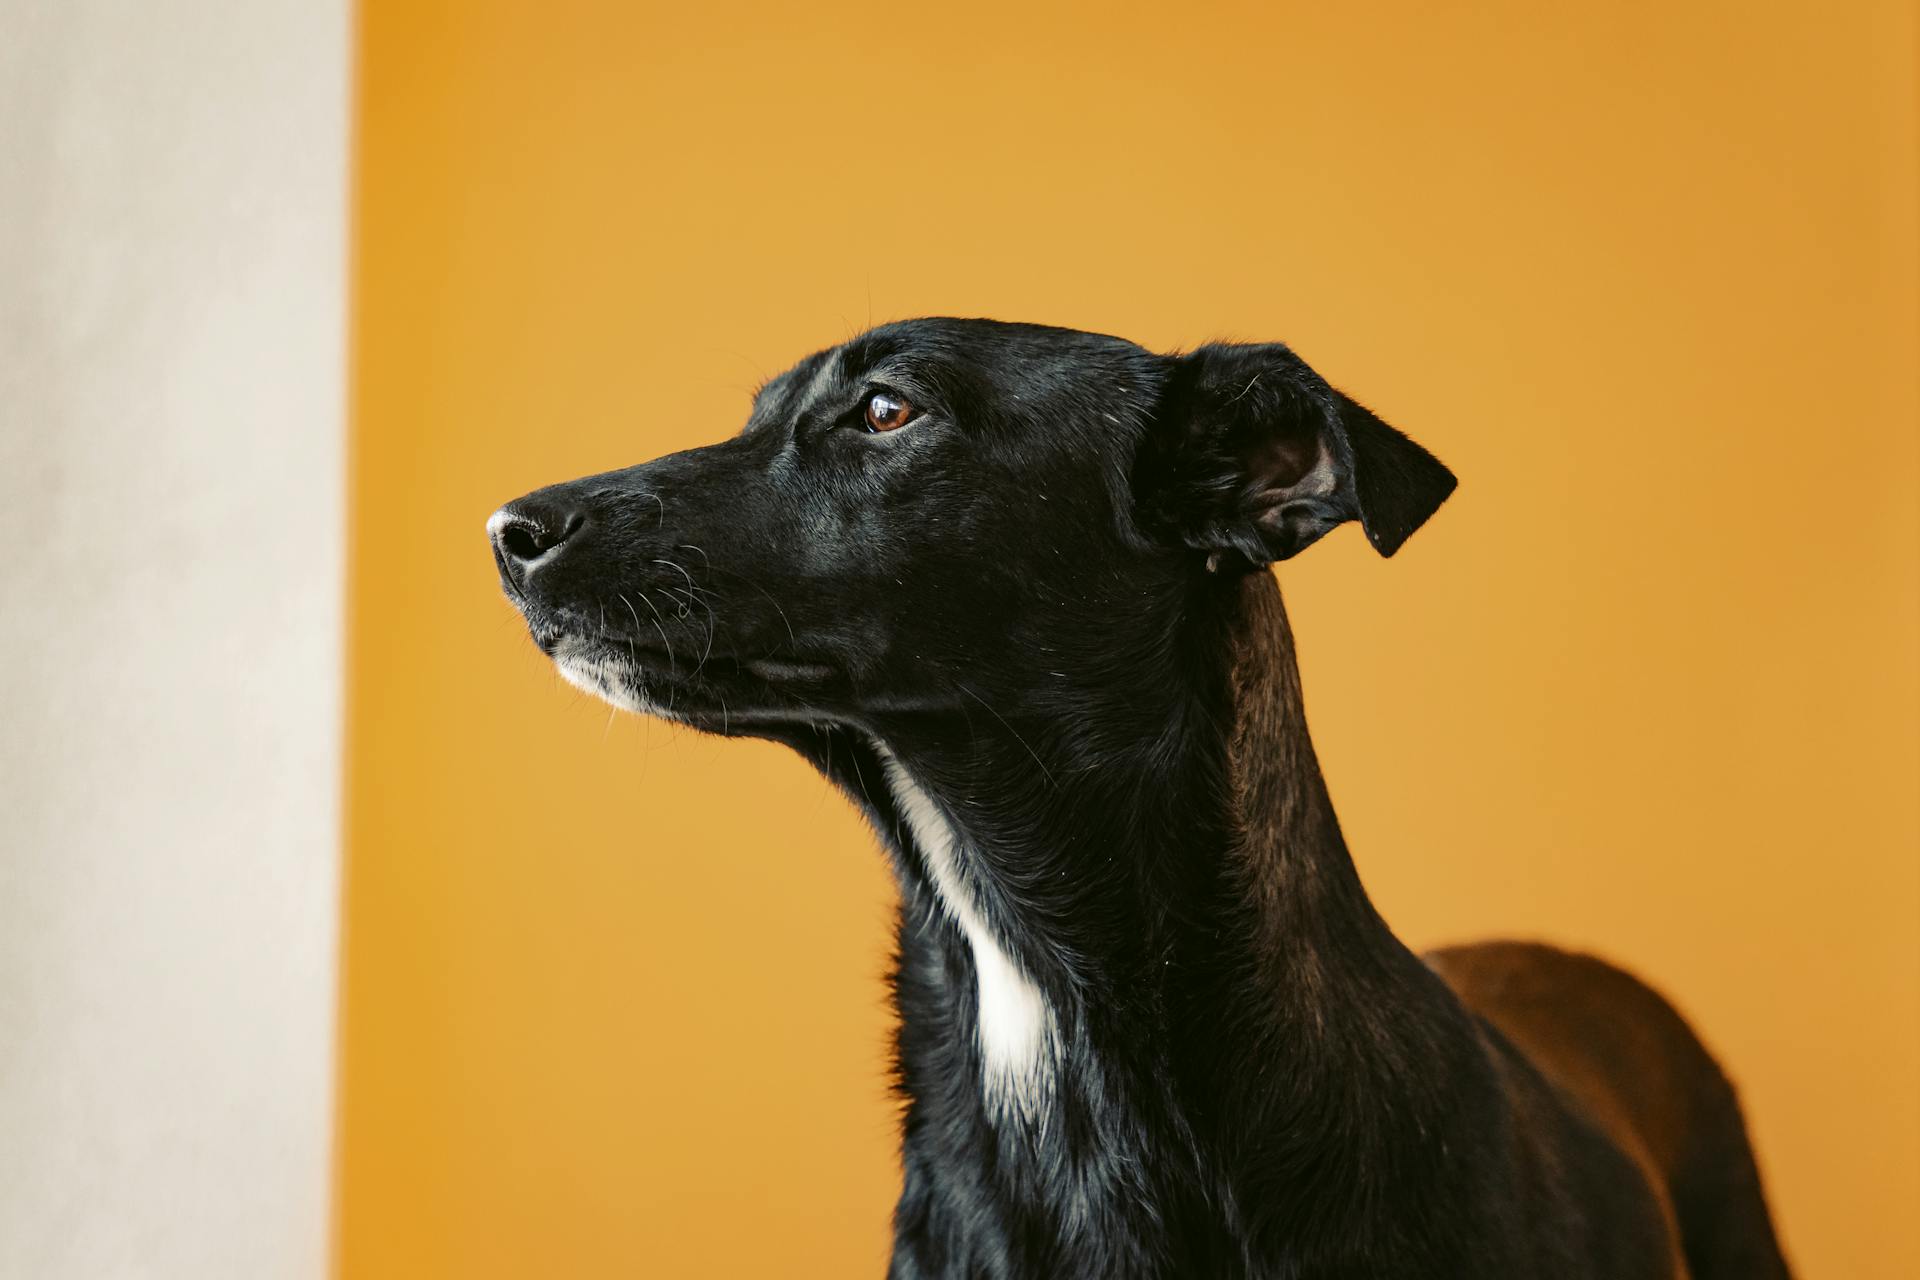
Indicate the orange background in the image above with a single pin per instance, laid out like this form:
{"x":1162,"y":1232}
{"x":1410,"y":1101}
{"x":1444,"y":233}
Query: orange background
{"x":1643,"y":274}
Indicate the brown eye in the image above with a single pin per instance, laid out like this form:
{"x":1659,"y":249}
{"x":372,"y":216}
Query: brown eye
{"x":887,"y":412}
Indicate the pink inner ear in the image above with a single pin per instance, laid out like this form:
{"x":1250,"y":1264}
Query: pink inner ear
{"x":1280,"y":462}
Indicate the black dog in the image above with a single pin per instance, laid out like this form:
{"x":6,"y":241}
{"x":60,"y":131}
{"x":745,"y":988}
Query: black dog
{"x":1007,"y":586}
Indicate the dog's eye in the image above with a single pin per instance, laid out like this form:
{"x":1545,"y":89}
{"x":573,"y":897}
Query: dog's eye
{"x":887,"y":412}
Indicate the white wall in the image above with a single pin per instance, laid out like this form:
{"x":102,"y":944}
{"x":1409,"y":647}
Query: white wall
{"x":172,"y":225}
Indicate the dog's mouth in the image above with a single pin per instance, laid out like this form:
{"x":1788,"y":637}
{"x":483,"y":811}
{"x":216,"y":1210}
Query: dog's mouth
{"x":685,"y":680}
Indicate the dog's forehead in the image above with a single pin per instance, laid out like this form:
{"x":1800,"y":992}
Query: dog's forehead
{"x":989,"y":350}
{"x":832,"y":372}
{"x":818,"y":377}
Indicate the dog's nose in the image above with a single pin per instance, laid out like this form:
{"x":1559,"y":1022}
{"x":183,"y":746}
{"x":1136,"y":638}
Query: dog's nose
{"x":528,"y":535}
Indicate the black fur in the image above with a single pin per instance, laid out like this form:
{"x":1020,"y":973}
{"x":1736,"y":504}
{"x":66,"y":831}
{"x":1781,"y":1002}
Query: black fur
{"x":1046,"y":597}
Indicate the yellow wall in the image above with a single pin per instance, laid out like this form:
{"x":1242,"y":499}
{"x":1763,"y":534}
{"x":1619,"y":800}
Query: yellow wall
{"x":1644,"y":274}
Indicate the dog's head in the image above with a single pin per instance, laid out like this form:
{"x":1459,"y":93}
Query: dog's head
{"x":941,"y":515}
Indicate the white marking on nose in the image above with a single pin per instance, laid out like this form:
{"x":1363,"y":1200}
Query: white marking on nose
{"x":498,"y":521}
{"x":1017,"y":1033}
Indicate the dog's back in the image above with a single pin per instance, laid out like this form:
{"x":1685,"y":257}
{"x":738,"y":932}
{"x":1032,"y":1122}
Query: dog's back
{"x":1634,"y":1067}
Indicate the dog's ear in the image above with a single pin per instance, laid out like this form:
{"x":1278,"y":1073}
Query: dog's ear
{"x":1252,"y":453}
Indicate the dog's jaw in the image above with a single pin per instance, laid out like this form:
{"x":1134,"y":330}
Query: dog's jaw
{"x":609,"y":681}
{"x":1018,"y":1033}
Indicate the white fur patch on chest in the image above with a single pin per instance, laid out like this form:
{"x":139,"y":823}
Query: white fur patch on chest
{"x":1017,"y":1034}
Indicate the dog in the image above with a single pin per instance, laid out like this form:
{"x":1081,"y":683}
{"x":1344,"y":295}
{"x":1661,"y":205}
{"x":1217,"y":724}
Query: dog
{"x":1009,"y":587}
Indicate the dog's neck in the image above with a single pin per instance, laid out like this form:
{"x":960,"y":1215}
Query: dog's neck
{"x":1139,"y":982}
{"x":1160,"y":869}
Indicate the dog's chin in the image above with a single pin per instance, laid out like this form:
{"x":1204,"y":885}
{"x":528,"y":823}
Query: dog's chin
{"x":719,"y":696}
{"x":613,"y":680}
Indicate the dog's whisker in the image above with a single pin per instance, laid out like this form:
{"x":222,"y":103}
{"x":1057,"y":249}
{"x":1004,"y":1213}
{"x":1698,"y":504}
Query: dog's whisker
{"x":659,"y":624}
{"x":633,"y":651}
{"x":706,"y":653}
{"x":679,"y":570}
{"x":673,"y":664}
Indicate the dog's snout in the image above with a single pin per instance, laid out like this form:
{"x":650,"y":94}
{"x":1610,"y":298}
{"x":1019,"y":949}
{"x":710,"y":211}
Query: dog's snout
{"x":527,"y":536}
